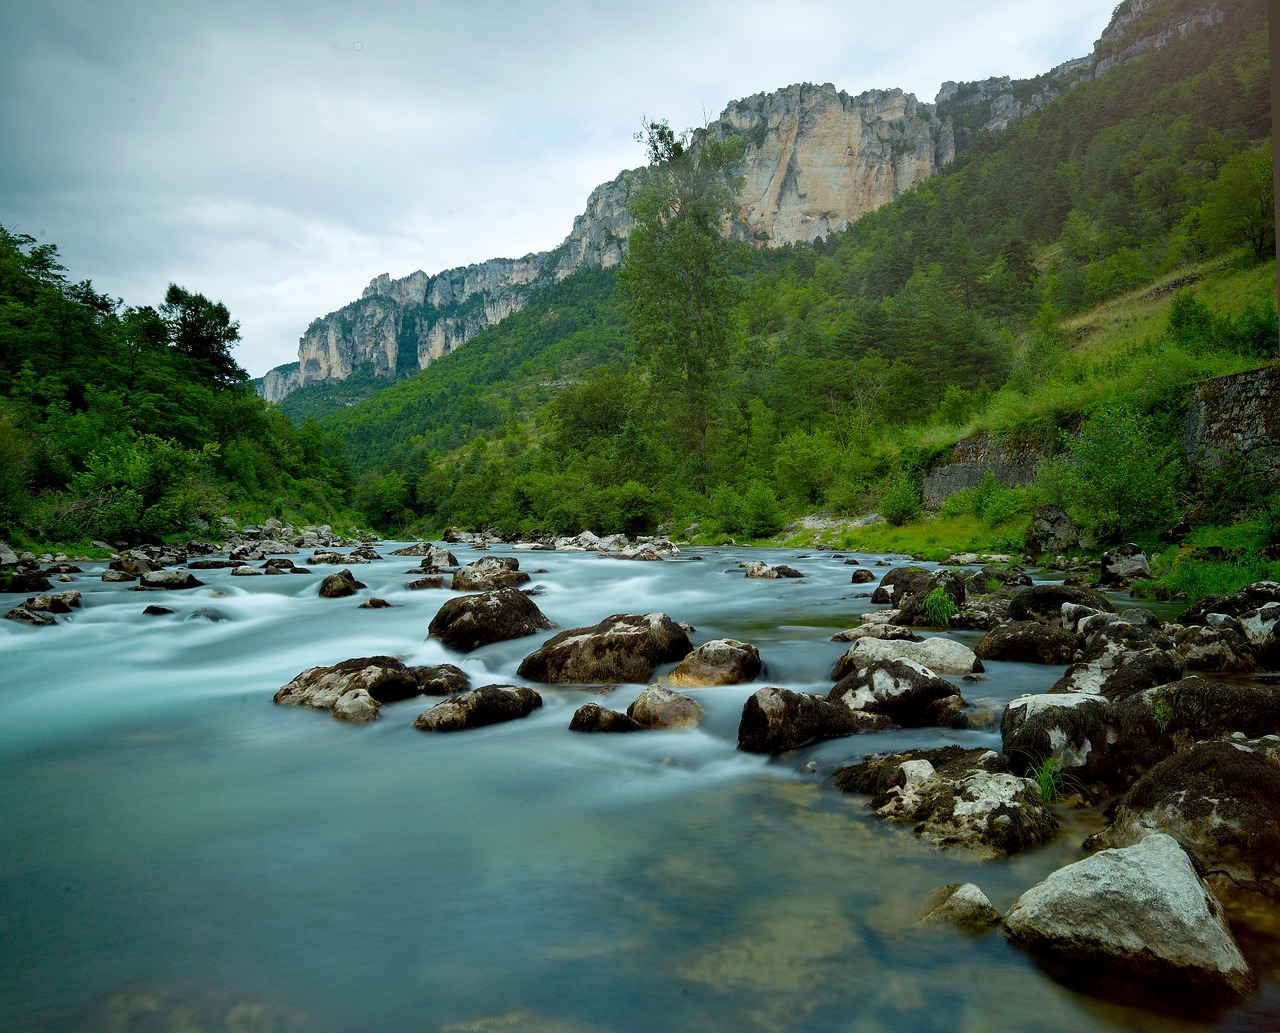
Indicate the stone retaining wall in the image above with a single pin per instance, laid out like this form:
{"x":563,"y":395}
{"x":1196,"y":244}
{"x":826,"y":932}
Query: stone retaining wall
{"x":1238,"y":413}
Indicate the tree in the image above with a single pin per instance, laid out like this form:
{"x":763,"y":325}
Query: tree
{"x":204,"y":332}
{"x":676,"y":281}
{"x":1240,"y":207}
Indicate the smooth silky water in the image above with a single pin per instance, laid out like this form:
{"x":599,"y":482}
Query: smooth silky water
{"x":176,"y":849}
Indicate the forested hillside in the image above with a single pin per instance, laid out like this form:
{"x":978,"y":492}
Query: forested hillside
{"x":848,"y":366}
{"x":129,"y":423}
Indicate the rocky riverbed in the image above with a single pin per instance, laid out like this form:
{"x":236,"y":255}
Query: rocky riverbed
{"x":1052,"y":765}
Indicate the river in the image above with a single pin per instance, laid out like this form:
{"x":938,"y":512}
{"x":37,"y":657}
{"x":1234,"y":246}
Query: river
{"x":176,"y":849}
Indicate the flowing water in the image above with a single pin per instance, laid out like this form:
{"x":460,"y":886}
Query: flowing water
{"x":176,"y":852}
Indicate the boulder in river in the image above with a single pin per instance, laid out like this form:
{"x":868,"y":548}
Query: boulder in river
{"x":488,"y":574}
{"x":35,"y":618}
{"x":592,"y":717}
{"x":624,"y":647}
{"x":340,"y":585}
{"x":722,"y":661}
{"x":1043,"y":603}
{"x":769,"y":572}
{"x":1051,"y":530}
{"x":955,"y":798}
{"x":941,"y":655}
{"x":660,"y":707}
{"x":775,"y":720}
{"x":1140,"y":913}
{"x":487,"y":705}
{"x":1124,"y":564}
{"x":441,"y":680}
{"x":1221,"y":801}
{"x":466,"y":623}
{"x":384,"y":678}
{"x":1029,"y":642}
{"x":905,"y":692}
{"x":167,"y":580}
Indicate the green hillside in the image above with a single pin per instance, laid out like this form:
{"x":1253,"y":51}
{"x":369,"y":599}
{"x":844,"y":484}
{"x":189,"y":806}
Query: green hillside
{"x":1007,"y":294}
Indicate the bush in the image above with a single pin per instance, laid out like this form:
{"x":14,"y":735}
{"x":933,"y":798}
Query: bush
{"x":1123,"y":475}
{"x":902,"y":503}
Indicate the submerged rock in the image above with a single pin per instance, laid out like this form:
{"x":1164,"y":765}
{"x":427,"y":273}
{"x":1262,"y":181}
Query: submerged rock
{"x":962,"y":906}
{"x":625,"y":647}
{"x":490,"y":704}
{"x":466,"y":623}
{"x":1141,"y":912}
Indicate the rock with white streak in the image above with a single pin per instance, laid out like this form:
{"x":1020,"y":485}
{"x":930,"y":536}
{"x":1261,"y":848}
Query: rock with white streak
{"x":624,"y":647}
{"x":941,"y":655}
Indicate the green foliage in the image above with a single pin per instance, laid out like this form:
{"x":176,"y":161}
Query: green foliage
{"x":131,"y":423}
{"x":1162,"y":714}
{"x":1124,"y":474}
{"x":939,"y":608}
{"x":1049,"y":778}
{"x":902,"y":502}
{"x":755,"y":513}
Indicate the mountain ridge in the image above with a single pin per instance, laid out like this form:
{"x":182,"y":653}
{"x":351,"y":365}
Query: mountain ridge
{"x":817,"y":158}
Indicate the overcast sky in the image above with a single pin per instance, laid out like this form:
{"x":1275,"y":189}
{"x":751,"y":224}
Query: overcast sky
{"x":278,"y":155}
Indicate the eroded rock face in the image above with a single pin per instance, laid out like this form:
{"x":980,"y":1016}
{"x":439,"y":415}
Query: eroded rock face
{"x":660,"y":707}
{"x":1141,"y":911}
{"x":1221,"y":801}
{"x":722,"y":661}
{"x":954,"y":797}
{"x":490,"y":704}
{"x":471,"y":621}
{"x":383,"y":679}
{"x":940,"y":655}
{"x":625,"y":647}
{"x":775,"y":720}
{"x":903,"y":691}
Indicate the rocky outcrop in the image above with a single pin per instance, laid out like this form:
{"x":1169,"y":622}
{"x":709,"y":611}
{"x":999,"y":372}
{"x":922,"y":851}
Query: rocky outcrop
{"x":816,"y":160}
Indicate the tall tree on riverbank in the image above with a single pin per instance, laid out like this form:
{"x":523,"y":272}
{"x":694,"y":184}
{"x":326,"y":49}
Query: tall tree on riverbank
{"x":676,"y":280}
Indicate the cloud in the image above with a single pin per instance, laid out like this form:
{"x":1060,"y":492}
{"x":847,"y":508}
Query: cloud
{"x":277,"y":157}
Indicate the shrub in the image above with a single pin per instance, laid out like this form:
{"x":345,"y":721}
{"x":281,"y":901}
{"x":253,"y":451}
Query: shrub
{"x":902,"y":503}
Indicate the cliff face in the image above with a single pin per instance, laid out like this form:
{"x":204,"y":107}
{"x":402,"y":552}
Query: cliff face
{"x":816,"y":160}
